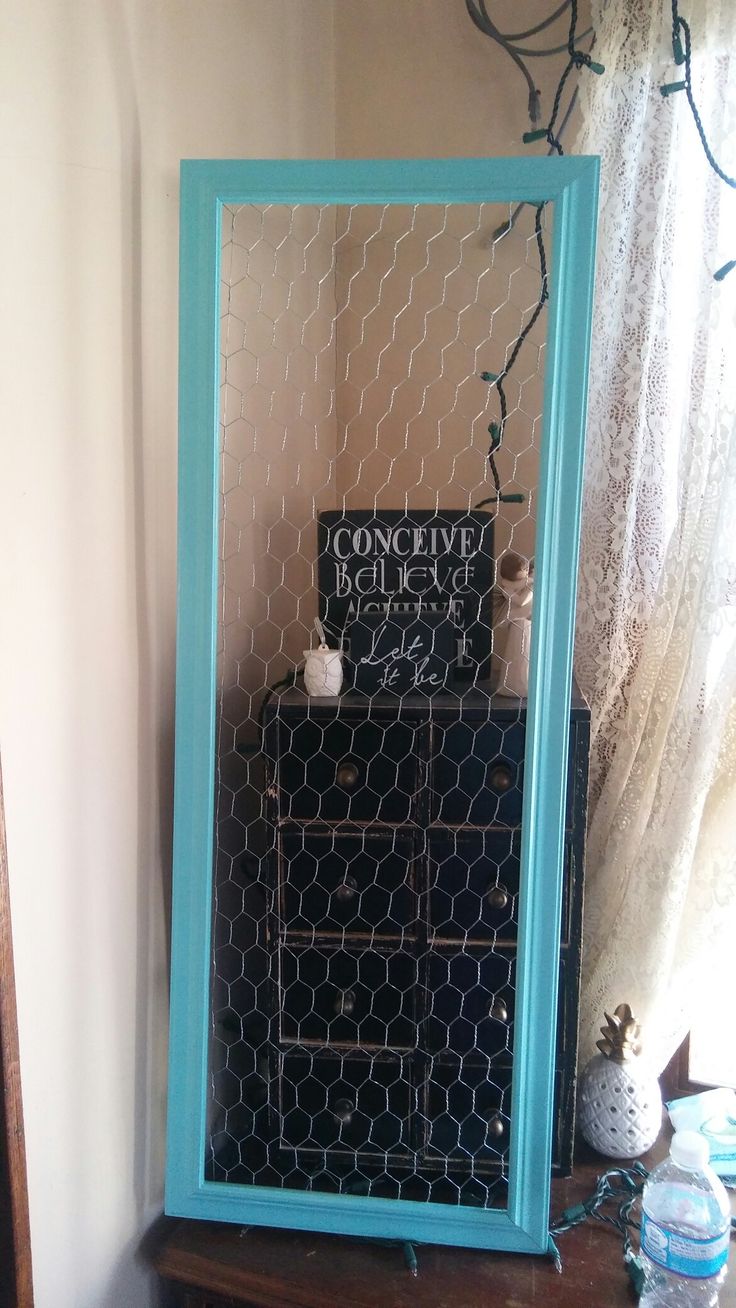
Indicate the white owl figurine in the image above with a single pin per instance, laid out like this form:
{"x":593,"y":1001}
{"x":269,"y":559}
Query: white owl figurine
{"x":323,"y":671}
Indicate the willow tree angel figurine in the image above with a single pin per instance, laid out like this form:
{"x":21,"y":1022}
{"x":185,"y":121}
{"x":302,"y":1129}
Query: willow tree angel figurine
{"x":515,"y":581}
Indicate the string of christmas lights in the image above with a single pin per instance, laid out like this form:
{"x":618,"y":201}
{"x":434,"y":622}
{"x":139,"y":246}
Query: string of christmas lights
{"x":682,"y":51}
{"x":577,"y":59}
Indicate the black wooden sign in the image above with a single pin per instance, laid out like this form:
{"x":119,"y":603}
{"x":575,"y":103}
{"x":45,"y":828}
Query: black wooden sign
{"x":425,"y":560}
{"x":402,"y":652}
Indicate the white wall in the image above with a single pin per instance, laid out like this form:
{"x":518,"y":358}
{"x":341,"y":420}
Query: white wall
{"x":100,"y":100}
{"x":416,"y":79}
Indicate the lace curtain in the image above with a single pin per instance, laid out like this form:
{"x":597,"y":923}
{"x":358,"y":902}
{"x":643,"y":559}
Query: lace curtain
{"x":656,"y":628}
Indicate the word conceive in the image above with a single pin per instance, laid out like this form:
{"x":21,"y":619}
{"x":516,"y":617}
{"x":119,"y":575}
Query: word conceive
{"x":403,"y":542}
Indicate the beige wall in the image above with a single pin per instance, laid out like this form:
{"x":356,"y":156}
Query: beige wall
{"x":426,"y":302}
{"x":101,"y":98}
{"x":279,"y":436}
{"x":351,"y":377}
{"x":417,"y":79}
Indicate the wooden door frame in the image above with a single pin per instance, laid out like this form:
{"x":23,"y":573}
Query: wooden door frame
{"x":16,"y":1288}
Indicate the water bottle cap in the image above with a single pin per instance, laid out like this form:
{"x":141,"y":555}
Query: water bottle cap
{"x":690,"y":1149}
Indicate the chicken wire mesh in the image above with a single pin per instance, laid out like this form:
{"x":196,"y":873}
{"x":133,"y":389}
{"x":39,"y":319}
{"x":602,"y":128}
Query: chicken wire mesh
{"x":367,"y":845}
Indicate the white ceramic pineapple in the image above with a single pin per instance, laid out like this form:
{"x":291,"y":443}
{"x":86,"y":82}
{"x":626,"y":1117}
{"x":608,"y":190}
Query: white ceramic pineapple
{"x":619,"y":1100}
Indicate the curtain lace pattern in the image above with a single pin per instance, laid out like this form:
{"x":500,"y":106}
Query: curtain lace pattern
{"x":656,"y":626}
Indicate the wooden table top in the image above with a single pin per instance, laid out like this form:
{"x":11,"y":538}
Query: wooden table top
{"x":266,"y":1268}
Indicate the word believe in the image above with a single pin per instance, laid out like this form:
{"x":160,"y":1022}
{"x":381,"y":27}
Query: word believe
{"x":414,"y":578}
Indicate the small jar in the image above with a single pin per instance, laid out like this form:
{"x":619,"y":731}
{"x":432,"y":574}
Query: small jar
{"x":323,"y":671}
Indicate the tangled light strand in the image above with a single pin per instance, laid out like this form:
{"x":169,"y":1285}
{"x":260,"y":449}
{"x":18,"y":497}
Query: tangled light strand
{"x":682,"y":51}
{"x":551,"y":133}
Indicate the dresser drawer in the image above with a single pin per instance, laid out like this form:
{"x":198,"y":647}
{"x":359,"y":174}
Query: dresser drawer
{"x":466,"y":1109}
{"x":334,"y":996}
{"x":357,"y":884}
{"x":471,"y":1001}
{"x":467,"y":1114}
{"x":470,"y":1004}
{"x":352,"y":1104}
{"x":477,"y":773}
{"x":340,"y":770}
{"x":474,"y":887}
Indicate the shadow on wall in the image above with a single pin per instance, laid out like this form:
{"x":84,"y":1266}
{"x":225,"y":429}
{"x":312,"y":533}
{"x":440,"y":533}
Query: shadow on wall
{"x":155,"y":720}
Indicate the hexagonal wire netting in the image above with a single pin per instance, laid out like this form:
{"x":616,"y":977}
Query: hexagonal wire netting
{"x":367,"y":867}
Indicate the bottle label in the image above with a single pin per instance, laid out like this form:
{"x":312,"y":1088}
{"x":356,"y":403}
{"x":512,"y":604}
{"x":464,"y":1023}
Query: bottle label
{"x":685,"y":1255}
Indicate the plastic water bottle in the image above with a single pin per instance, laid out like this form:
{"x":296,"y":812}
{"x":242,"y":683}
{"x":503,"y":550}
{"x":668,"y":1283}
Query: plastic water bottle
{"x":686,"y":1223}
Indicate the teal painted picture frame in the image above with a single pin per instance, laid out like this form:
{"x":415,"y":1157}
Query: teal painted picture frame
{"x":206,"y":186}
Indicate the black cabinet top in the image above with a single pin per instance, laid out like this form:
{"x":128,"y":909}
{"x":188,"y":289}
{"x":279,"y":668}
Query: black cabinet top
{"x":474,"y":702}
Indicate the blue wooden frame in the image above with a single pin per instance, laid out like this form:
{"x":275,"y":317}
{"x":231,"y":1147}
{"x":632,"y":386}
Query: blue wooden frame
{"x":206,"y":185}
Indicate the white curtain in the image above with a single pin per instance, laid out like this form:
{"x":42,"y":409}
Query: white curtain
{"x":656,"y":631}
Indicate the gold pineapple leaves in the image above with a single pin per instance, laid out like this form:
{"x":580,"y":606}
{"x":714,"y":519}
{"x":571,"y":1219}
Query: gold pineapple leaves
{"x":620,"y":1035}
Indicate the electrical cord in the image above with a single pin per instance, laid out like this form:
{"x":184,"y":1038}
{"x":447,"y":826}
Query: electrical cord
{"x":683,"y":54}
{"x":577,"y":59}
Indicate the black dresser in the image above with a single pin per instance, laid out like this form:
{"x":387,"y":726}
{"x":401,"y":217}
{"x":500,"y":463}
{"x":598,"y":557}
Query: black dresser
{"x":393,"y":879}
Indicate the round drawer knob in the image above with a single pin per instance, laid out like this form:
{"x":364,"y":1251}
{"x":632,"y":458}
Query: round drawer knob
{"x":498,"y":1011}
{"x":343,"y":1111}
{"x":345,"y":1003}
{"x":498,"y":897}
{"x":501,"y":777}
{"x":347,"y":775}
{"x":346,"y":891}
{"x":496,"y":1127}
